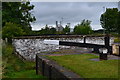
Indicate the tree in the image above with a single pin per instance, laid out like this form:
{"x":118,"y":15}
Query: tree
{"x":118,"y":22}
{"x":52,"y":30}
{"x":66,"y":30}
{"x":109,"y":20}
{"x":85,"y":23}
{"x":83,"y":28}
{"x":47,"y":30}
{"x":12,"y":30}
{"x":11,"y":12}
{"x":19,"y":13}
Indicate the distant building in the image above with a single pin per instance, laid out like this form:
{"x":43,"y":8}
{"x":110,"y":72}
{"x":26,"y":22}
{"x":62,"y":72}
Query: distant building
{"x":71,"y":29}
{"x":119,"y":5}
{"x":68,"y":24}
{"x":59,"y":27}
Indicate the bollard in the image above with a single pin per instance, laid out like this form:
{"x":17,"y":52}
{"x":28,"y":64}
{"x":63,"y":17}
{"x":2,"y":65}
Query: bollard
{"x":103,"y":53}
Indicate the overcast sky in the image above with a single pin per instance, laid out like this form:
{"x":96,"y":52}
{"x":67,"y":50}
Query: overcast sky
{"x":71,"y":12}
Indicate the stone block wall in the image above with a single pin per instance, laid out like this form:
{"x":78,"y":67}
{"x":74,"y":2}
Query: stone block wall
{"x":28,"y":47}
{"x":52,"y":70}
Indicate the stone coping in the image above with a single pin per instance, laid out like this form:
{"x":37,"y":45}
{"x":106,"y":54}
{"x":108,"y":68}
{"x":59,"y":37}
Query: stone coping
{"x":57,"y":36}
{"x":69,"y":75}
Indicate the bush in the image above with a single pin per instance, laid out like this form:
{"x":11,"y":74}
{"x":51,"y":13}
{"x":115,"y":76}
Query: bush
{"x":117,"y":40}
{"x":82,"y":30}
{"x":13,"y":64}
{"x":11,"y":30}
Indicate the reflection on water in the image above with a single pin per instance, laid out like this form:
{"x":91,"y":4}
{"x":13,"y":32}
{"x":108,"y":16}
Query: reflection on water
{"x":28,"y":48}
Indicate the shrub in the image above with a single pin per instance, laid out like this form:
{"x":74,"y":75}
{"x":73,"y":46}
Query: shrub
{"x":117,"y":40}
{"x":11,"y":30}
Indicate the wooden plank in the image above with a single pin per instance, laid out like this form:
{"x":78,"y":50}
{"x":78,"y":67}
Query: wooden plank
{"x":87,"y":45}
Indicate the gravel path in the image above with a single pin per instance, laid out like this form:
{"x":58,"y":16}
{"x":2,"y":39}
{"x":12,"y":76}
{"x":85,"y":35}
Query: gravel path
{"x":110,"y":57}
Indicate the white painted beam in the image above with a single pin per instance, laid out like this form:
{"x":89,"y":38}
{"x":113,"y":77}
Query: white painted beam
{"x":55,"y":42}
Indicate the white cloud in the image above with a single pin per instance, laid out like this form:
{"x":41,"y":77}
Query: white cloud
{"x":72,"y":12}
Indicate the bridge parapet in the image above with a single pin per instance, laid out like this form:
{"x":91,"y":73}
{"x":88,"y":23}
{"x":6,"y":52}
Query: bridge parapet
{"x":57,"y":36}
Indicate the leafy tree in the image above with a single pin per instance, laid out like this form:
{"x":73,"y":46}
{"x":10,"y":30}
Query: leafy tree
{"x":47,"y":30}
{"x":52,"y":30}
{"x":83,"y":28}
{"x":118,"y":22}
{"x":19,"y":13}
{"x":66,"y":30}
{"x":85,"y":23}
{"x":12,"y":30}
{"x":109,"y":20}
{"x":27,"y":16}
{"x":11,"y":12}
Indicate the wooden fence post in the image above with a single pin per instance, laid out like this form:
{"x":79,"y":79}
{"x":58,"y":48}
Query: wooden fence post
{"x":84,"y":38}
{"x":119,"y":50}
{"x":107,"y":42}
{"x":50,"y":74}
{"x":36,"y":64}
{"x":43,"y":67}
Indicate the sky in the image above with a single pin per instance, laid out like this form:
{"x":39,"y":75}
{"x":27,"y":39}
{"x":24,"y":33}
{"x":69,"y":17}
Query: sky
{"x":69,"y":12}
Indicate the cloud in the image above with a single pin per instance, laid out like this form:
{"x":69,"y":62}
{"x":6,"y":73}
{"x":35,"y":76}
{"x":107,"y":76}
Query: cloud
{"x":72,"y":12}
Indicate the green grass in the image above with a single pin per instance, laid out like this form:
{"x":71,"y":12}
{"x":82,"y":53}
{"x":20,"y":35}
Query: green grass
{"x":83,"y":66}
{"x":26,"y":74}
{"x":14,"y":67}
{"x":0,"y":60}
{"x":117,"y":40}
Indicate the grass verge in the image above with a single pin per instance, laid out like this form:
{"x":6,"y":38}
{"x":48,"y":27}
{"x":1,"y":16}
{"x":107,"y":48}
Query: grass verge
{"x":26,"y":74}
{"x":86,"y":68}
{"x":13,"y":67}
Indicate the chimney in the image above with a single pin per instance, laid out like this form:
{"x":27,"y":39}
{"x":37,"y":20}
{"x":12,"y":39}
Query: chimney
{"x":56,"y":23}
{"x":60,"y":23}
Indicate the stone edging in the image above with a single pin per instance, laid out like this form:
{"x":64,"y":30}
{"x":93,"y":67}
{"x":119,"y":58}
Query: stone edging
{"x":52,"y":70}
